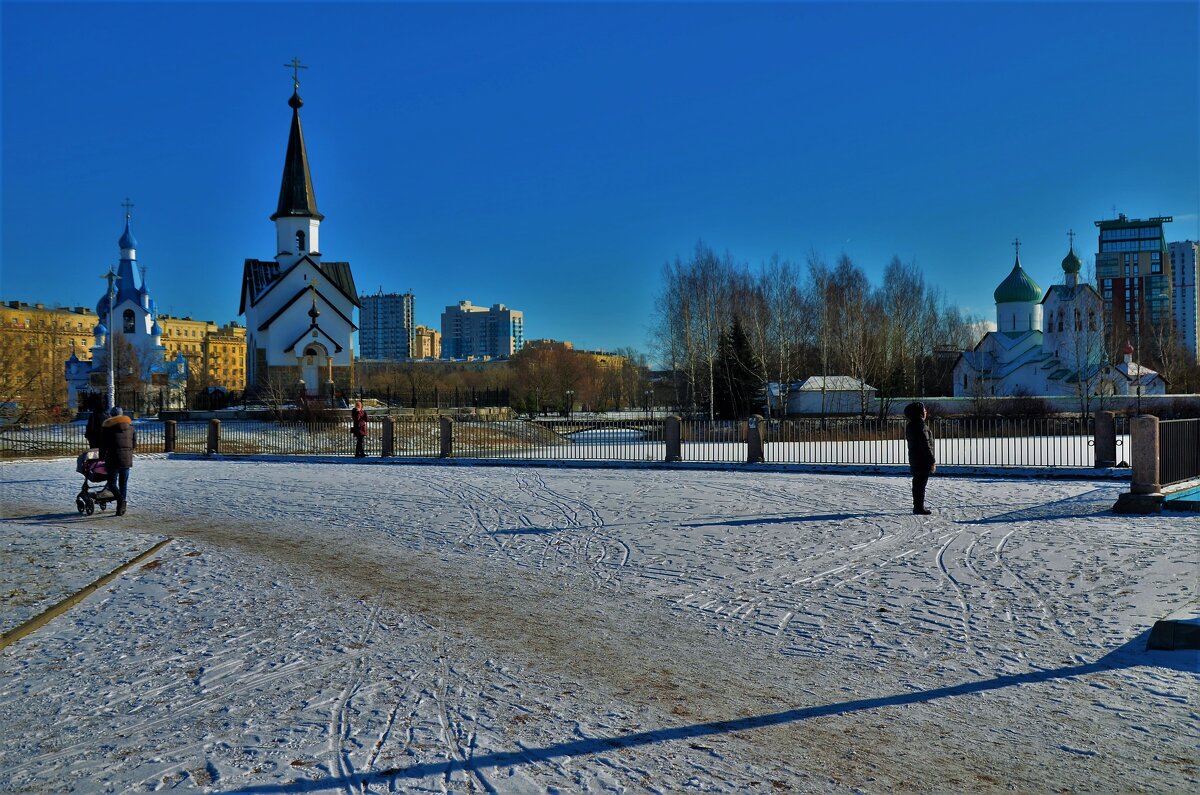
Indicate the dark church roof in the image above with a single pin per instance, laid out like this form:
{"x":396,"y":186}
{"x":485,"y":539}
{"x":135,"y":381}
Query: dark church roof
{"x":260,"y":276}
{"x":296,"y":196}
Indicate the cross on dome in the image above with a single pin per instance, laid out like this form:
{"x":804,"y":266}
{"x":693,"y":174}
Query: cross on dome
{"x":295,"y":66}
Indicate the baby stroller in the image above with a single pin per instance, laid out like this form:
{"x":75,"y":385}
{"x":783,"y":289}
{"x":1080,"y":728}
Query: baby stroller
{"x":93,"y":470}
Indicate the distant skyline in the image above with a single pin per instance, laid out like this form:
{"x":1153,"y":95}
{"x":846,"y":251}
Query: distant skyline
{"x":553,"y":156}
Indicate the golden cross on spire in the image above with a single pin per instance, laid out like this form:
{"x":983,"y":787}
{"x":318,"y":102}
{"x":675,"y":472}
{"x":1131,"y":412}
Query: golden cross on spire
{"x":1071,"y":235}
{"x":295,"y":66}
{"x":1017,"y":245}
{"x":128,"y":205}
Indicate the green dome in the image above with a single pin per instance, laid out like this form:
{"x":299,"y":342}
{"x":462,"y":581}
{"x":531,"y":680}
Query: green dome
{"x":1072,"y":263}
{"x":1018,"y":288}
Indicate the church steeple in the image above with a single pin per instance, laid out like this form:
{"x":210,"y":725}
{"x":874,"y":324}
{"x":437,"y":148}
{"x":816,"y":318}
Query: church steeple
{"x":296,"y":196}
{"x":296,"y":216}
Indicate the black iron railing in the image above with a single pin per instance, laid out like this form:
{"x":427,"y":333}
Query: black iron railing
{"x":995,"y":442}
{"x":1178,"y":450}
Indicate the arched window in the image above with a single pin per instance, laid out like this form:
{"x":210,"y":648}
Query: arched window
{"x":128,"y":321}
{"x":1060,"y":320}
{"x":300,"y":241}
{"x":1078,"y":321}
{"x":1091,"y":320}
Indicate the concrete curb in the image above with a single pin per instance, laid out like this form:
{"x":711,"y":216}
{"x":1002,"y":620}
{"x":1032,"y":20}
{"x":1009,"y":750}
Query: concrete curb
{"x":56,"y":610}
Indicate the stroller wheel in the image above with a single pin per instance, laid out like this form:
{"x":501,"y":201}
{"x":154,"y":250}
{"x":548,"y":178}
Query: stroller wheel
{"x":81,"y":505}
{"x":90,"y":508}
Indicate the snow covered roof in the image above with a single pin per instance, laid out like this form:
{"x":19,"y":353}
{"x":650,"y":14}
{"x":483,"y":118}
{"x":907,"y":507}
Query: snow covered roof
{"x":833,"y":383}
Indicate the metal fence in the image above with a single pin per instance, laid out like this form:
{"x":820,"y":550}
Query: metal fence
{"x":996,"y":442}
{"x":1178,"y":450}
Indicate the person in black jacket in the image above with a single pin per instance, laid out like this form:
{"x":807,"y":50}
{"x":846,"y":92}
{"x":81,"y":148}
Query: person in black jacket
{"x":921,"y":461}
{"x":118,"y":440}
{"x":95,"y":421}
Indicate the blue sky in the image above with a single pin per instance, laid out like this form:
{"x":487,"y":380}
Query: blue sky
{"x":553,"y":156}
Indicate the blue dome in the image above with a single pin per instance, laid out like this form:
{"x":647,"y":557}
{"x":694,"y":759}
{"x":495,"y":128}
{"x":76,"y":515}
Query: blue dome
{"x":156,"y":330}
{"x":100,"y":330}
{"x":127,"y":240}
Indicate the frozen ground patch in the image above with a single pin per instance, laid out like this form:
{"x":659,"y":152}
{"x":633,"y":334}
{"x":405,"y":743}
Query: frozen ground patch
{"x":336,"y":627}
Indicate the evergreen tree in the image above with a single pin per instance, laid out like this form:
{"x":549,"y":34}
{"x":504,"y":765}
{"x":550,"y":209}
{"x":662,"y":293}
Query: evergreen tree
{"x":737,"y":381}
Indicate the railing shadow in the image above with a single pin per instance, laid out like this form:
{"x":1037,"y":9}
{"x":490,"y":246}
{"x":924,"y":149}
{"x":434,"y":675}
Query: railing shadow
{"x":1130,"y":655}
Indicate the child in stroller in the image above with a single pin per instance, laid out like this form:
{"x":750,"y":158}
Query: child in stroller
{"x":91,"y":466}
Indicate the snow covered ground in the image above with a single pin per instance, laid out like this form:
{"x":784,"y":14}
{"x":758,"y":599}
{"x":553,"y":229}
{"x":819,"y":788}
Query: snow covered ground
{"x":374,"y":626}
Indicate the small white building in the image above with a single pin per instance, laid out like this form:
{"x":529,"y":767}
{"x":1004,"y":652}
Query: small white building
{"x":834,"y":394}
{"x":299,"y":308}
{"x":1051,"y":345}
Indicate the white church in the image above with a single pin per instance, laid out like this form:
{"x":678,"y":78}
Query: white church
{"x":148,"y":380}
{"x":299,"y":309}
{"x":1049,"y":345}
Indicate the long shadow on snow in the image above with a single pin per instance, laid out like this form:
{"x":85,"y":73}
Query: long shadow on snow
{"x":1130,"y":655}
{"x":828,"y":517}
{"x":1089,"y":505}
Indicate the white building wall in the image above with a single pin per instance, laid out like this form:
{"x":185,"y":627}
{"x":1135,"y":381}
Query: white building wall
{"x":1018,"y":317}
{"x":1185,"y":292}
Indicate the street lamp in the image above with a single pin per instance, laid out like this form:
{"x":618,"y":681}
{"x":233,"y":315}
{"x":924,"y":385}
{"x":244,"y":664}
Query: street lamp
{"x":570,"y":402}
{"x":112,"y":278}
{"x":647,"y":404}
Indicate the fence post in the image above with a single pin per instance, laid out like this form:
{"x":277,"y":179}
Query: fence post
{"x":389,"y":436}
{"x":447,"y":436}
{"x":754,"y":440}
{"x":1145,"y":490}
{"x":1105,"y":440}
{"x":169,"y":436}
{"x":214,"y":437}
{"x":673,"y":438}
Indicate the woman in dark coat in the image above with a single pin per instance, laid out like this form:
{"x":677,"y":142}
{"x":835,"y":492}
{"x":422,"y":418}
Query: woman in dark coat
{"x":95,"y":421}
{"x":920,"y":453}
{"x":118,"y":440}
{"x":358,"y":427}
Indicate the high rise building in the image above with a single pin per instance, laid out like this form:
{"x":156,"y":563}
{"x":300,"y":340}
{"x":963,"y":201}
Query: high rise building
{"x":1185,"y":293}
{"x":473,"y":332}
{"x":385,"y":326}
{"x":1133,"y":274}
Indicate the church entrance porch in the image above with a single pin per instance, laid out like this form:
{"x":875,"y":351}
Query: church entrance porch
{"x":316,"y":370}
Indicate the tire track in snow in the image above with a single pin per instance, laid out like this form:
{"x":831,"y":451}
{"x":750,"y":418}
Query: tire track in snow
{"x":964,"y":605}
{"x":340,"y":730}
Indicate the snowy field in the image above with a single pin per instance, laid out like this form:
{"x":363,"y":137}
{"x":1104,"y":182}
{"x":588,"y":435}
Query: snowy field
{"x":377,"y":627}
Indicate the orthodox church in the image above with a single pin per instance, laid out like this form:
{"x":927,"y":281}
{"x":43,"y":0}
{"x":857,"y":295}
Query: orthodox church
{"x":1049,"y":345}
{"x":298,"y":308}
{"x":147,"y":380}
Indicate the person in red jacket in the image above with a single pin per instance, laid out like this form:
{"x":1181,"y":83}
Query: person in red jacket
{"x":358,"y":427}
{"x":118,"y":440}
